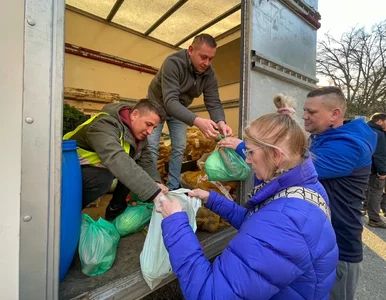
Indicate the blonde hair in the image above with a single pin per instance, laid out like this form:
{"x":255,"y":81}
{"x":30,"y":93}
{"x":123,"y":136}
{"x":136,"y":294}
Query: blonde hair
{"x":282,"y":101}
{"x":278,"y":132}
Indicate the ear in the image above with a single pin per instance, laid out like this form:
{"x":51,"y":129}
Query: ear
{"x":190,"y":50}
{"x":278,"y":157}
{"x":336,"y":114}
{"x":134,"y":114}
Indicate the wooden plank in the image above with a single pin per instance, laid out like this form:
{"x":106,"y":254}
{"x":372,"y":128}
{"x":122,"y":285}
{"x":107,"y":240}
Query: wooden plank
{"x":77,"y":104}
{"x":88,"y":105}
{"x":90,"y":95}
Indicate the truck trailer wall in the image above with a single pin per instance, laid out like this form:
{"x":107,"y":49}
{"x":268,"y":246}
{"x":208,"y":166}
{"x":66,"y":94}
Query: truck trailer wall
{"x":283,"y":57}
{"x":11,"y":94}
{"x":90,"y":74}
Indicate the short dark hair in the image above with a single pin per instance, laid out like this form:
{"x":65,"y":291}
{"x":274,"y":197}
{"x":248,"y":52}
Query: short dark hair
{"x":152,"y":106}
{"x":205,"y":38}
{"x":326,"y":90}
{"x":378,"y":117}
{"x":336,"y":97}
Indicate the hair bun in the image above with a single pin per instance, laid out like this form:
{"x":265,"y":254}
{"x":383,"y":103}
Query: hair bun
{"x":284,"y":101}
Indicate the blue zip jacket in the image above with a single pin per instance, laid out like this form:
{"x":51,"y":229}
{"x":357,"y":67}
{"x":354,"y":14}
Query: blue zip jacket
{"x":285,"y":250}
{"x":342,"y":159}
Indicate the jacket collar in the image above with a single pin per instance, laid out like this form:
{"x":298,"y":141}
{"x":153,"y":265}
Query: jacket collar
{"x":301,"y":175}
{"x":375,"y":125}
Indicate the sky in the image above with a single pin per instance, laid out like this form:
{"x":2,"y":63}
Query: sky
{"x":338,"y":16}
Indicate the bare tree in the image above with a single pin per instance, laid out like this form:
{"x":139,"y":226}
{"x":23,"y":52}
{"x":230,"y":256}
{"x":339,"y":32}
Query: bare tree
{"x":356,"y":64}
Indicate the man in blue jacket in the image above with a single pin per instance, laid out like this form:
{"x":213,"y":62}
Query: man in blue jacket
{"x":342,"y":157}
{"x":378,"y":172}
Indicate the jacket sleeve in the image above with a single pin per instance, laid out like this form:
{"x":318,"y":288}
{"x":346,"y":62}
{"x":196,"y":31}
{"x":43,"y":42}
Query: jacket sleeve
{"x":379,"y":156}
{"x":227,"y":209}
{"x":335,"y":159}
{"x":239,"y":149}
{"x":146,"y":162}
{"x":212,"y":100}
{"x":103,"y":135}
{"x":170,"y":83}
{"x":257,"y":263}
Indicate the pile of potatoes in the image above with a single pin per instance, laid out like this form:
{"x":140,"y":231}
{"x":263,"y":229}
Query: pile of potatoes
{"x":196,"y":146}
{"x":206,"y":219}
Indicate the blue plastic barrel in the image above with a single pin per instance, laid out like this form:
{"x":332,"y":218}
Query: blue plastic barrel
{"x":71,"y":206}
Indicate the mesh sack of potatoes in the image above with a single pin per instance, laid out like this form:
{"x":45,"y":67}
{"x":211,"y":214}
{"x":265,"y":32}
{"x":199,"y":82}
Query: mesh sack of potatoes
{"x":197,"y":144}
{"x":163,"y":157}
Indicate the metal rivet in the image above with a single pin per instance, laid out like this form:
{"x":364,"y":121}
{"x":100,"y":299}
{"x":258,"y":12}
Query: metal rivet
{"x":27,"y":218}
{"x":31,"y":22}
{"x":29,"y":120}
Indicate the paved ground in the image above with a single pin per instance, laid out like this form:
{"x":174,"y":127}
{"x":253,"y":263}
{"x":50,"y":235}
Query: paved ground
{"x":372,"y":284}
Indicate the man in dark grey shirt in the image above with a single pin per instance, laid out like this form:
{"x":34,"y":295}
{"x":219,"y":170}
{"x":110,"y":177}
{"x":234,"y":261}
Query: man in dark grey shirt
{"x":183,"y":76}
{"x":378,"y":171}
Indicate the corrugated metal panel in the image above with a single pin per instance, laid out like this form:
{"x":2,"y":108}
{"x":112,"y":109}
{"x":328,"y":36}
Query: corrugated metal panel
{"x":140,"y":15}
{"x":170,"y":21}
{"x":190,"y":17}
{"x":100,"y":8}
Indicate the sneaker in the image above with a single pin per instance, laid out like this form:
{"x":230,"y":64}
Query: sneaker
{"x":113,"y":211}
{"x":379,"y":224}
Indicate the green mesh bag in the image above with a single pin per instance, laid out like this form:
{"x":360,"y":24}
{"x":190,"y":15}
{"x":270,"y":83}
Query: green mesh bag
{"x":134,"y":218}
{"x":97,"y":245}
{"x":225,"y":164}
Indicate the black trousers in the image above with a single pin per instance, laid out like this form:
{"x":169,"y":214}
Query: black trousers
{"x":96,"y":182}
{"x":374,"y":197}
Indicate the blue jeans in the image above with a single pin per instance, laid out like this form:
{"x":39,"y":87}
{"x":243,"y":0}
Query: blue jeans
{"x":177,"y":131}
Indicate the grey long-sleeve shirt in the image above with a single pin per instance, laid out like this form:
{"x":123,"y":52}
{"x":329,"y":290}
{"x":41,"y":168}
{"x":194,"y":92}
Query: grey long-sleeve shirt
{"x":176,"y":85}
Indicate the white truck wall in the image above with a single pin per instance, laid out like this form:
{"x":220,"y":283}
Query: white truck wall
{"x":11,"y":91}
{"x":279,"y":57}
{"x":281,"y":37}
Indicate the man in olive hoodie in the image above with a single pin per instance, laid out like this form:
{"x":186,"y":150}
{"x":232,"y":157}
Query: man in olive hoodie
{"x":113,"y":144}
{"x":183,"y":76}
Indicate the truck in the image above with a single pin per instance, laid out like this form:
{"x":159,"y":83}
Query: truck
{"x":89,"y":53}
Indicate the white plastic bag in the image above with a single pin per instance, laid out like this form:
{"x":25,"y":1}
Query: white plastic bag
{"x":154,"y":258}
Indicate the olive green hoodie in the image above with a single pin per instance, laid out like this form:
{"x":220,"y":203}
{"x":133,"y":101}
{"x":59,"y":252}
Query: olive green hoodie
{"x":137,"y":170}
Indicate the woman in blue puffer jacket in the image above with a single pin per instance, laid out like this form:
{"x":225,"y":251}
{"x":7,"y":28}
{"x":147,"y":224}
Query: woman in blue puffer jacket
{"x":285,"y":247}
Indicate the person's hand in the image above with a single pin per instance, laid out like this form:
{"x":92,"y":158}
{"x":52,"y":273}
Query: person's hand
{"x":381,"y":176}
{"x":207,"y":127}
{"x":199,"y":193}
{"x":167,"y":207}
{"x":163,"y":188}
{"x":224,"y":129}
{"x":230,"y":142}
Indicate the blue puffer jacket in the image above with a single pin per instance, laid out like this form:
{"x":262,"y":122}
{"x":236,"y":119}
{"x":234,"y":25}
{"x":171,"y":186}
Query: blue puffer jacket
{"x":286,"y":250}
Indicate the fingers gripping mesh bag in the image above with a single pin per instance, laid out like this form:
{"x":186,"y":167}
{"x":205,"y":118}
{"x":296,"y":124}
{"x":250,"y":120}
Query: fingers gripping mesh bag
{"x":97,"y":245}
{"x":154,"y":258}
{"x":225,"y":164}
